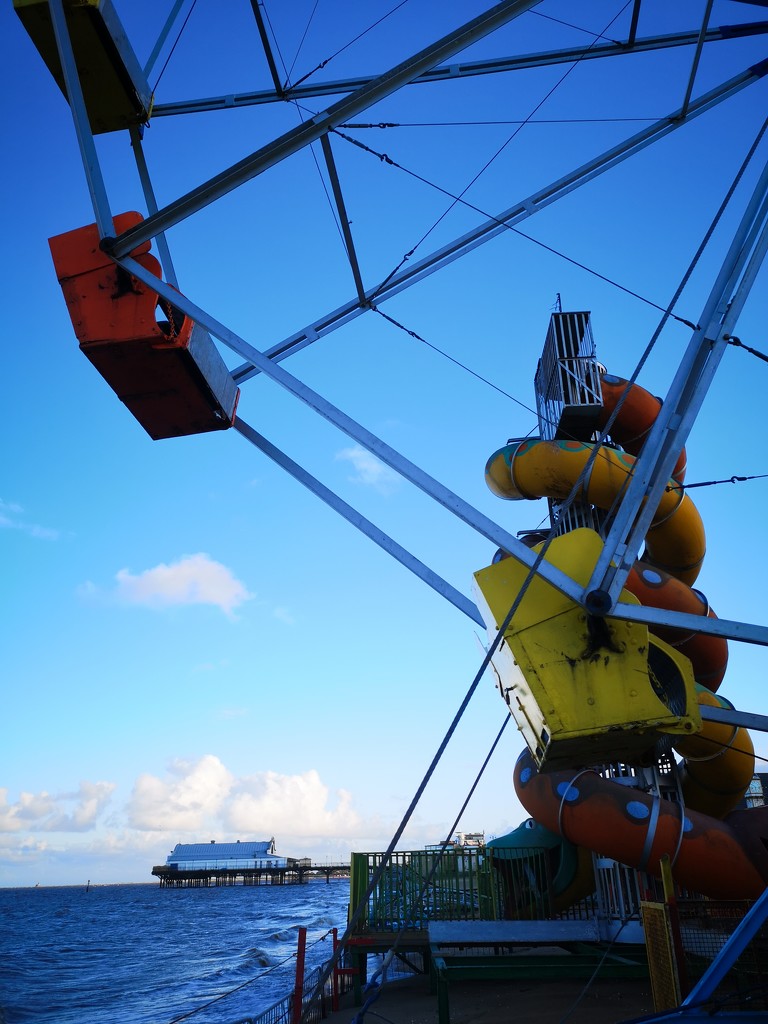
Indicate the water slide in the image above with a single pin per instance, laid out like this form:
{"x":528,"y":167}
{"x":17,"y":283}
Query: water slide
{"x":715,"y":849}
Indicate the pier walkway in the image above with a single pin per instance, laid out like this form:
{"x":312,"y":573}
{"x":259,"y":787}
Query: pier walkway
{"x":293,"y":873}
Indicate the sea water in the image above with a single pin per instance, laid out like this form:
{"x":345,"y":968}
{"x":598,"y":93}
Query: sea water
{"x":139,"y":954}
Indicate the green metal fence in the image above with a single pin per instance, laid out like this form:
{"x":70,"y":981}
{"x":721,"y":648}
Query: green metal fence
{"x":456,"y":885}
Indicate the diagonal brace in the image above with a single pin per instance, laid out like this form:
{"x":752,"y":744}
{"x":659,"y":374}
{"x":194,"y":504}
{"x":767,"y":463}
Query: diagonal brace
{"x":455,"y":504}
{"x":386,"y":543}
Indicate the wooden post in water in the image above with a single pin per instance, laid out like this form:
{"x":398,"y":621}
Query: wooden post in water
{"x":298,"y":990}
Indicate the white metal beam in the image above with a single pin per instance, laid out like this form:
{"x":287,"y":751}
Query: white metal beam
{"x":91,"y":166}
{"x":731,"y":629}
{"x":465,"y":69}
{"x":341,"y":207}
{"x":418,"y":270}
{"x":311,"y":130}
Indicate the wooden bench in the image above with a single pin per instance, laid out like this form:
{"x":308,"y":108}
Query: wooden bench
{"x":504,"y":950}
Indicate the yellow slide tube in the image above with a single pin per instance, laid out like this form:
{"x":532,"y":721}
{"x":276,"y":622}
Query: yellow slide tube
{"x":533,"y":468}
{"x":719,"y":762}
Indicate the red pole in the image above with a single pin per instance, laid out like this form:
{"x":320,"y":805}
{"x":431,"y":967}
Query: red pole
{"x":298,"y":991}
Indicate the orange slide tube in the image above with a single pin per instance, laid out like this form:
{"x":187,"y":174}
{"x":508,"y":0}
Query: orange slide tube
{"x":637,"y":414}
{"x":719,"y":762}
{"x":725,"y":860}
{"x":656,"y":589}
{"x":715,"y":850}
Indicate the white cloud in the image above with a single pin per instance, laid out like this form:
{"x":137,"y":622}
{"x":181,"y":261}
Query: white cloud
{"x":193,"y":579}
{"x":63,"y":812}
{"x":9,"y":508}
{"x":368,"y":469}
{"x":11,"y":519}
{"x":13,"y":849}
{"x":203,"y":798}
{"x":284,"y":616}
{"x":187,"y":801}
{"x":67,"y":838}
{"x":289,"y":805}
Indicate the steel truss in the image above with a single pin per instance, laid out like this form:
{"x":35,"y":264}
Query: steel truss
{"x":717,"y":321}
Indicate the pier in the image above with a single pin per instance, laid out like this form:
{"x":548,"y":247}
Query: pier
{"x":293,"y":873}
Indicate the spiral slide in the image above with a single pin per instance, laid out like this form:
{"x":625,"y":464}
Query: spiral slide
{"x":715,"y":849}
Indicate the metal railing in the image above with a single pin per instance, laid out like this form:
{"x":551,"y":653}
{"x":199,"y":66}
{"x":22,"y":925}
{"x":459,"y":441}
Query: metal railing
{"x":567,"y":382}
{"x":466,"y":884}
{"x":424,"y":885}
{"x":314,"y":1007}
{"x":278,"y":1013}
{"x":487,"y":884}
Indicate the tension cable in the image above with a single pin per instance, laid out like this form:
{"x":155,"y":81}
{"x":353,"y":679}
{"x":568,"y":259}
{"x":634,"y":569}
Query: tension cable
{"x":360,"y":35}
{"x":385,"y":158}
{"x":175,"y":44}
{"x":496,"y":155}
{"x":738,"y":343}
{"x":712,"y":483}
{"x":462,"y":366}
{"x":485,"y":124}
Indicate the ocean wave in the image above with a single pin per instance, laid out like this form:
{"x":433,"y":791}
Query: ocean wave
{"x":259,"y":956}
{"x":143,"y":955}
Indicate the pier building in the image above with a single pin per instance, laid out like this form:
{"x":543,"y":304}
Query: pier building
{"x":244,"y":862}
{"x":214,"y":856}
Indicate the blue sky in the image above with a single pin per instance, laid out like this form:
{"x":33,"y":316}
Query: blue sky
{"x":195,"y":647}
